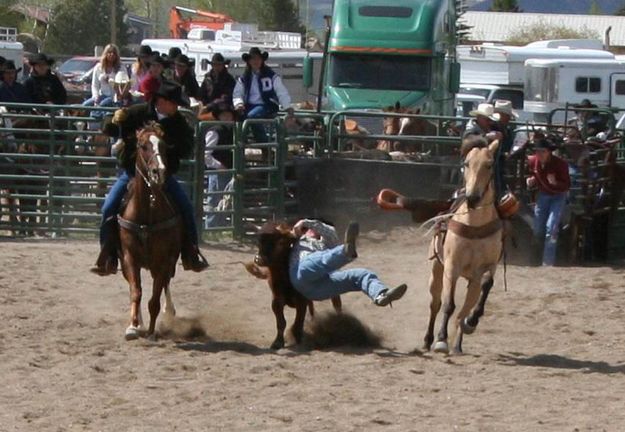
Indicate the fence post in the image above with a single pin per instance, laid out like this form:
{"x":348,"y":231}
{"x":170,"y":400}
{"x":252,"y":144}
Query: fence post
{"x":239,"y":178}
{"x":279,"y":174}
{"x":198,"y":177}
{"x":52,"y":217}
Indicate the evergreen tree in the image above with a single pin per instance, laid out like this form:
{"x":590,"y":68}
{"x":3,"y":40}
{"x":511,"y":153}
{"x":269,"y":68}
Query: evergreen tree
{"x":595,"y":9}
{"x":77,"y":26}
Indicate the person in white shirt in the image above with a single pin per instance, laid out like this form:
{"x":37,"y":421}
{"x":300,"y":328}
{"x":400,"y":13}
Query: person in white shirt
{"x":259,"y":93}
{"x":316,"y":261}
{"x":102,"y":92}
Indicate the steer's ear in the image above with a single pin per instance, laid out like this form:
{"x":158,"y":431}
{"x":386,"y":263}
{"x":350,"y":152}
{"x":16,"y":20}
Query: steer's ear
{"x":255,"y":270}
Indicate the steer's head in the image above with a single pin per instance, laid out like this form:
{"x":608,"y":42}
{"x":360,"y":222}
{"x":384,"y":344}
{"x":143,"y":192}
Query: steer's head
{"x":274,"y":244}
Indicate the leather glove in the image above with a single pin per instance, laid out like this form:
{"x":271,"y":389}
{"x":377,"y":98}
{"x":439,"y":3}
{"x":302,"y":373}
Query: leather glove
{"x":120,"y":116}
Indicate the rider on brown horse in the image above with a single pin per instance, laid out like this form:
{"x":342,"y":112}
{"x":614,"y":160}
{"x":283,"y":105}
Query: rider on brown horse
{"x":179,"y":139}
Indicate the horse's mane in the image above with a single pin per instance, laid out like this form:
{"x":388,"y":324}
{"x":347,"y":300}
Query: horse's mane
{"x":471,"y":142}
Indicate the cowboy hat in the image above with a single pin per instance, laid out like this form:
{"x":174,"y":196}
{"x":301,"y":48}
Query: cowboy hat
{"x":505,"y":107}
{"x":40,"y":58}
{"x":219,"y":58}
{"x":544,"y":144}
{"x":156,"y":57}
{"x":9,"y":66}
{"x":173,"y":52}
{"x":255,"y":51}
{"x":171,"y":91}
{"x":183,"y":60}
{"x":486,"y":110}
{"x":121,"y":77}
{"x":144,"y":51}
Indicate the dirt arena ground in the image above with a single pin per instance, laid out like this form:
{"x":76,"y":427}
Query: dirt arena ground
{"x":549,"y":354}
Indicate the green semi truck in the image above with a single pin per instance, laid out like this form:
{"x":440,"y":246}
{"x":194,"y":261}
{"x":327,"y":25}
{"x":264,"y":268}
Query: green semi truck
{"x":380,"y":52}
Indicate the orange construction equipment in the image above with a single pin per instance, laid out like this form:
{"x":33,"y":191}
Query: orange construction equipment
{"x":182,"y":20}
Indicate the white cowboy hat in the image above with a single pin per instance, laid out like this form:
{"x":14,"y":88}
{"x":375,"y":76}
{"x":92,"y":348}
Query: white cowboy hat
{"x":121,"y":77}
{"x":486,"y":110}
{"x":505,"y":107}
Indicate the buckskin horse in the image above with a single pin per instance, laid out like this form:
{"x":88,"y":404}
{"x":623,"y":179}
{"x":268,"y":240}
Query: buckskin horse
{"x":150,"y":231}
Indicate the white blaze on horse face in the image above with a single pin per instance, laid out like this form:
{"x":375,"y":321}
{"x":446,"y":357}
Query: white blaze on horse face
{"x":156,"y":141}
{"x":403,"y":124}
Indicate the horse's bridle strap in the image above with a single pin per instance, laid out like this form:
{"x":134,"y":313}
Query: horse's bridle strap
{"x":474,"y":232}
{"x":146,"y":229}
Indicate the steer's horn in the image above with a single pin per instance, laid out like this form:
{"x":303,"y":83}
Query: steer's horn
{"x":388,"y":199}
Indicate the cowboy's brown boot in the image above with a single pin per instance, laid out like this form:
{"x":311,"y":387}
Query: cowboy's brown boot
{"x":192,"y":258}
{"x":106,"y":263}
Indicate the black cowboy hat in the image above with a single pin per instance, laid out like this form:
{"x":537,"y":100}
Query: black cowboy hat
{"x":219,"y":58}
{"x":544,"y":144}
{"x":222,"y":107}
{"x":585,"y":104}
{"x":171,"y":91}
{"x":174,"y":52}
{"x":9,"y":65}
{"x":183,"y":60}
{"x":144,"y":51}
{"x":156,"y":57}
{"x":255,"y":51}
{"x":40,"y":58}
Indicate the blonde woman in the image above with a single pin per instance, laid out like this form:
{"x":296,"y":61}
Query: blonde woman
{"x":102,"y":91}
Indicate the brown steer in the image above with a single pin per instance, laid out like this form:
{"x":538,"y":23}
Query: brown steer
{"x":275,"y":242}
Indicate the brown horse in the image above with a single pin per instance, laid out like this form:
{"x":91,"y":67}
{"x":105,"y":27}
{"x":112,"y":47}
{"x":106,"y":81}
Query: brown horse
{"x":150,"y":231}
{"x":472,"y":248}
{"x":406,"y":126}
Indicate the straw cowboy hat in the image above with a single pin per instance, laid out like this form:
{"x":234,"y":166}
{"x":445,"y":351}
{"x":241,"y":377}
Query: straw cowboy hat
{"x":486,"y":110}
{"x":505,"y":107}
{"x":121,"y":78}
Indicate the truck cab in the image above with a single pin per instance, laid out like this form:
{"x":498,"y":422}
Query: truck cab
{"x":380,"y":53}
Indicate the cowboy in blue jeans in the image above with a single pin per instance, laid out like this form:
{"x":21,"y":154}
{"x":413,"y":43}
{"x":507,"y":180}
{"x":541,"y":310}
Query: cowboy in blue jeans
{"x":259,"y":92}
{"x":179,"y":139}
{"x":550,"y":175}
{"x":318,"y":256}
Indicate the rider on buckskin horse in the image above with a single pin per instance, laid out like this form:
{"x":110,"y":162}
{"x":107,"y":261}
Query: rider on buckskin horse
{"x":179,"y":139}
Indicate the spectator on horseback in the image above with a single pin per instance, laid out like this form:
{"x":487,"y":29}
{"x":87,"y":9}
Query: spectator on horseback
{"x":102,"y":92}
{"x":179,"y":139}
{"x":184,"y":75}
{"x":550,"y":175}
{"x":152,"y":81}
{"x":11,"y":90}
{"x":219,"y":159}
{"x":259,"y":93}
{"x":316,"y":260}
{"x":43,"y":86}
{"x":218,"y":84}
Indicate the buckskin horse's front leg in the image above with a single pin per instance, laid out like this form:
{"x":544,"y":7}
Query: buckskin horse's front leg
{"x":436,"y":286}
{"x":473,"y":292}
{"x":277,"y":305}
{"x":449,"y":291}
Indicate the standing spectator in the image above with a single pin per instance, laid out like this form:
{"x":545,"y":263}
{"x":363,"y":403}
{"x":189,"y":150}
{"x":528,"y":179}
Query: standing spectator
{"x":43,"y":86}
{"x":103,"y":75}
{"x":185,"y":76}
{"x":152,"y":81}
{"x":259,"y":93}
{"x":218,"y":84}
{"x":169,"y":71}
{"x":219,"y":159}
{"x":503,"y":108}
{"x":550,"y":175}
{"x":140,"y":67}
{"x":484,"y":121}
{"x":10,"y":89}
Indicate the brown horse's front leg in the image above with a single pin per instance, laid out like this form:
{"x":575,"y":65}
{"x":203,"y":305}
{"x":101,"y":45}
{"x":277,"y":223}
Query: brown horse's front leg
{"x":449,"y":305}
{"x":277,"y":305}
{"x":132,"y":273}
{"x":337,"y":303}
{"x":297,"y":329}
{"x":154,"y":305}
{"x":436,"y":286}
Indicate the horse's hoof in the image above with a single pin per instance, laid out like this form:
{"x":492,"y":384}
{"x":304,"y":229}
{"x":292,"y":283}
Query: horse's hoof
{"x":441,"y":347}
{"x":152,"y":337}
{"x":132,"y":333}
{"x":466,"y":327}
{"x":277,"y":344}
{"x":456,"y":351}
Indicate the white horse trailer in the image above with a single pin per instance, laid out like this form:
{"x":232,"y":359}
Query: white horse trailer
{"x":551,"y":84}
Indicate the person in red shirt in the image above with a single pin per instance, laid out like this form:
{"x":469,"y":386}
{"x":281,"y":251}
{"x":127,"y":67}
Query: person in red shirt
{"x":550,"y":175}
{"x":151,"y":82}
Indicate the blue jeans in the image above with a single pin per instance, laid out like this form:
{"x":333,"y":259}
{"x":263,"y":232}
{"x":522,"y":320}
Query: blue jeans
{"x":547,"y":215}
{"x":113,"y":201}
{"x":259,"y":112}
{"x":316,"y":276}
{"x":106,"y":101}
{"x":216,"y":183}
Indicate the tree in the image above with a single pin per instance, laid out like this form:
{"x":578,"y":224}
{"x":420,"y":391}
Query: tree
{"x":504,"y":6}
{"x":8,"y":17}
{"x":280,"y":15}
{"x":595,"y":9}
{"x":620,"y":11}
{"x":543,"y":30}
{"x":77,"y":26}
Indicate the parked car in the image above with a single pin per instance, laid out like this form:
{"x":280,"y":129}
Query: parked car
{"x":76,"y":74}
